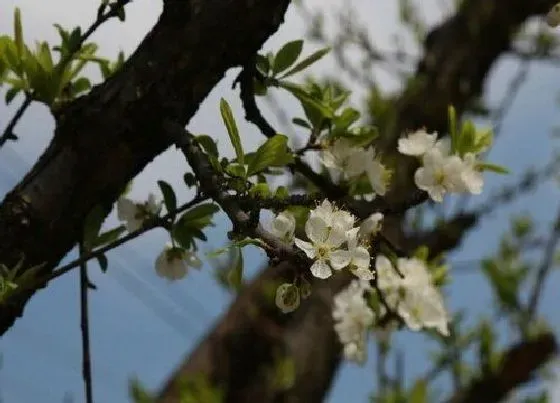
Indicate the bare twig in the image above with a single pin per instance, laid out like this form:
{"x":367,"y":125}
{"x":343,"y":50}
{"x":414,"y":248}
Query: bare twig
{"x":8,"y":133}
{"x":546,"y":265}
{"x":84,"y":325}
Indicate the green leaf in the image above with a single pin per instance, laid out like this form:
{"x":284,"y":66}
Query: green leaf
{"x":287,"y":56}
{"x":308,"y":102}
{"x":260,"y":190}
{"x":419,"y":392}
{"x":189,"y":179}
{"x":231,"y":127}
{"x":121,"y":13}
{"x":452,"y":121}
{"x":208,"y":144}
{"x":103,"y":263}
{"x":486,"y":166}
{"x":200,"y":213}
{"x":108,"y":236}
{"x":235,"y":274}
{"x":236,"y":170}
{"x":169,"y":197}
{"x":271,"y":153}
{"x":11,"y":94}
{"x":263,"y":65}
{"x":308,"y":61}
{"x":80,"y":85}
{"x":92,"y":225}
{"x":18,"y":32}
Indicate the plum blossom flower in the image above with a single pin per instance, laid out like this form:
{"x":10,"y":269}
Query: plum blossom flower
{"x":173,"y":262}
{"x":371,"y":225}
{"x":378,"y":174}
{"x":417,"y":143}
{"x":413,"y":296}
{"x":134,"y":214}
{"x":359,"y":257}
{"x":439,"y":174}
{"x":352,"y":318}
{"x":343,"y":158}
{"x":284,"y":226}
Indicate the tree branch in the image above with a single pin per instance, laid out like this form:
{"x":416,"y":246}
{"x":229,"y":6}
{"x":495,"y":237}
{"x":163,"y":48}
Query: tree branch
{"x":107,"y":137}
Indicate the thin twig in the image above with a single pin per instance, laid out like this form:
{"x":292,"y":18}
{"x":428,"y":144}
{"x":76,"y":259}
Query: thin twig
{"x":149,"y":225}
{"x":84,"y":325}
{"x":544,"y":269}
{"x":8,"y":133}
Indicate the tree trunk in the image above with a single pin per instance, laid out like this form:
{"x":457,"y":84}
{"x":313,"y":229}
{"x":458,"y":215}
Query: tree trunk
{"x":104,"y":139}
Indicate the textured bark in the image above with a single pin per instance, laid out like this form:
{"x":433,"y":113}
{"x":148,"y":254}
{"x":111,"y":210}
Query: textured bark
{"x":106,"y":138}
{"x":458,"y":56}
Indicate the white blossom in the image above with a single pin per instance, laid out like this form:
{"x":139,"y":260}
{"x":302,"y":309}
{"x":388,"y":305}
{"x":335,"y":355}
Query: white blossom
{"x":417,"y":143}
{"x":413,"y":296}
{"x":173,"y":262}
{"x":352,"y":318}
{"x":439,"y":174}
{"x":134,"y":214}
{"x":371,"y":225}
{"x":283,"y":226}
{"x":343,"y":158}
{"x":470,"y":176}
{"x":287,"y":297}
{"x":378,"y":174}
{"x":324,"y":247}
{"x":359,"y":257}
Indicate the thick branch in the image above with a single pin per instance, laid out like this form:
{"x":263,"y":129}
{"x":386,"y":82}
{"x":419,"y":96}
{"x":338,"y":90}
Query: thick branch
{"x":106,"y":138}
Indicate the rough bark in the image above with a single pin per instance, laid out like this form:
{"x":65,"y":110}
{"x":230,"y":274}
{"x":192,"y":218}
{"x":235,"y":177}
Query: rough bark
{"x":458,"y":57}
{"x":106,"y":138}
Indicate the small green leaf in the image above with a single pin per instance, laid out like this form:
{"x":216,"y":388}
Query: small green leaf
{"x":236,"y":170}
{"x":281,"y":193}
{"x":287,"y":56}
{"x":208,"y":144}
{"x":108,"y":236}
{"x":169,"y":197}
{"x":82,"y":84}
{"x":260,"y":190}
{"x":103,"y":263}
{"x":11,"y":94}
{"x":18,"y":32}
{"x":189,"y":179}
{"x":273,"y":151}
{"x":452,"y":121}
{"x":232,"y":130}
{"x":121,"y":13}
{"x":308,"y":61}
{"x":92,"y":225}
{"x":486,"y":166}
{"x":235,"y":274}
{"x":263,"y":65}
{"x":200,"y":212}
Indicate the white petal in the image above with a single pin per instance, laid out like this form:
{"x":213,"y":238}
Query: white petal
{"x":339,"y":259}
{"x":317,"y":229}
{"x":360,"y":257}
{"x":192,"y":260}
{"x":363,"y":274}
{"x":307,"y":247}
{"x":417,"y":143}
{"x":126,"y":209}
{"x":321,"y":269}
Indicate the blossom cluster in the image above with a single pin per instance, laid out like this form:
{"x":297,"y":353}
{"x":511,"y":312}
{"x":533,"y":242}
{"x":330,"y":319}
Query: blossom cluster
{"x":442,"y":170}
{"x":335,"y":242}
{"x":353,"y":316}
{"x":346,"y":161}
{"x":173,"y":262}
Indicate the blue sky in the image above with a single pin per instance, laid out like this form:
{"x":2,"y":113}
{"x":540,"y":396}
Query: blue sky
{"x":142,"y":325}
